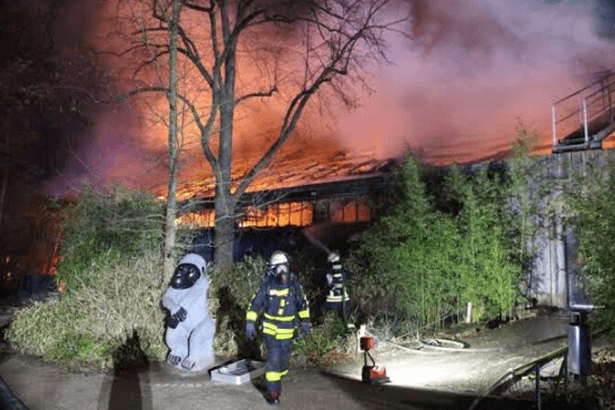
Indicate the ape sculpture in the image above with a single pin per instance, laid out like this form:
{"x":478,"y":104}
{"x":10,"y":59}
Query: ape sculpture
{"x":190,"y":329}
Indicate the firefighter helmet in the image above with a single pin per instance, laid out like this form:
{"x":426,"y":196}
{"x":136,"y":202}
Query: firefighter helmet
{"x":278,"y":258}
{"x":334,"y":257}
{"x":279,"y":264}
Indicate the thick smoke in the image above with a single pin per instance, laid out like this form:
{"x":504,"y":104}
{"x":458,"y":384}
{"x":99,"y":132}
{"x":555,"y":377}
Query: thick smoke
{"x":604,"y":12}
{"x":462,"y":80}
{"x":113,"y":153}
{"x":475,"y":69}
{"x":109,"y":146}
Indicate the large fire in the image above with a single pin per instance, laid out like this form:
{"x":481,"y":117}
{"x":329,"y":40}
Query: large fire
{"x":458,"y":100}
{"x":291,"y":171}
{"x":286,"y":214}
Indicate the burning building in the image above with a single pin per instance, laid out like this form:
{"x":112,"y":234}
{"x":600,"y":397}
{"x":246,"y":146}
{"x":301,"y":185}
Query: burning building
{"x":339,"y":187}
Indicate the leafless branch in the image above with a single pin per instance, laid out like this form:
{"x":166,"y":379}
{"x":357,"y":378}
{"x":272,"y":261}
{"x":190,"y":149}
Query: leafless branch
{"x":145,"y":30}
{"x":148,"y":62}
{"x":268,"y":93}
{"x":196,"y":7}
{"x":199,"y":65}
{"x":205,"y":128}
{"x":342,"y":43}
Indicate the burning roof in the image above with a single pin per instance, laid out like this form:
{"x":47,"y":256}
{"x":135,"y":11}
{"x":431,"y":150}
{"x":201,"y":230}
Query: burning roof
{"x":286,"y":192}
{"x":293,"y":171}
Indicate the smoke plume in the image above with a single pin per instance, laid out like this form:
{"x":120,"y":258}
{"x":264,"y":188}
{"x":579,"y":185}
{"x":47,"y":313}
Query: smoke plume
{"x":463,"y":78}
{"x":474,"y":70}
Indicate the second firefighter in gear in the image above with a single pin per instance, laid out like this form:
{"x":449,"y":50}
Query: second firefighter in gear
{"x":337,"y":297}
{"x":283,"y":306}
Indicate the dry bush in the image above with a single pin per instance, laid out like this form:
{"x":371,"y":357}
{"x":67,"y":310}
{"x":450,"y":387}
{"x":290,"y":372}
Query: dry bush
{"x":83,"y":328}
{"x":230,"y":293}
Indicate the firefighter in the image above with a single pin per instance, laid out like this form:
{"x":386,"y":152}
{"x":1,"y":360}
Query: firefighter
{"x":338,"y":299}
{"x":283,"y":305}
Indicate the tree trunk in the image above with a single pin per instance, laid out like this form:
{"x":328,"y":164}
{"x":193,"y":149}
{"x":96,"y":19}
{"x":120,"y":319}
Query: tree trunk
{"x":225,"y":235}
{"x":225,"y":211}
{"x":225,"y":201}
{"x":171,"y":209}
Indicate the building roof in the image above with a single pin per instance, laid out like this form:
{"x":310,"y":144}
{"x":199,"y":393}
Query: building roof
{"x":299,"y":177}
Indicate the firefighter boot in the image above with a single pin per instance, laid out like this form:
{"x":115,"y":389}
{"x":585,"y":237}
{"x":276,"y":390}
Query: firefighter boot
{"x":274,"y":397}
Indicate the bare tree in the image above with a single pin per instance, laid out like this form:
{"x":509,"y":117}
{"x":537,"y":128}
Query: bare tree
{"x":171,"y":211}
{"x":166,"y":81}
{"x":320,"y":42}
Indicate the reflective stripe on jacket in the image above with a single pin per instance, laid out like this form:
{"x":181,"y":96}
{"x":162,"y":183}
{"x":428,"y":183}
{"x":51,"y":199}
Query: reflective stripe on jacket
{"x":282,"y":306}
{"x":337,"y":291}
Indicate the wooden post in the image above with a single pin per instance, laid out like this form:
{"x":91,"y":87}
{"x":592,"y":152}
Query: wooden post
{"x":553,"y":123}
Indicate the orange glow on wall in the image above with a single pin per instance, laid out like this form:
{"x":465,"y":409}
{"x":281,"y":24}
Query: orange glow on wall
{"x":609,"y":141}
{"x":274,"y":215}
{"x":281,"y":214}
{"x":285,"y":214}
{"x":350,"y":210}
{"x":197,"y":219}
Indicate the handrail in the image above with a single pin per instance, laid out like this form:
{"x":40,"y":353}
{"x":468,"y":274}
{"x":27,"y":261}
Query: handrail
{"x":591,"y":105}
{"x":526,"y":368}
{"x":610,"y":74}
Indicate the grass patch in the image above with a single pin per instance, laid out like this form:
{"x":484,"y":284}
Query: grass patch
{"x":329,"y":343}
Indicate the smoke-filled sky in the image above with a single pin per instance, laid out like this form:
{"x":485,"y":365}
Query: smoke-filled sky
{"x":456,"y":89}
{"x":480,"y":67}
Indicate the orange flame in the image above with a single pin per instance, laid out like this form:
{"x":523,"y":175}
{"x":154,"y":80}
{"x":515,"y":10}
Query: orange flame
{"x":286,"y":214}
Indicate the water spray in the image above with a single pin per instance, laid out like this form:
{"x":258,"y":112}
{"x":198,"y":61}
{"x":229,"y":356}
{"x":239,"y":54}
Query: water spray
{"x":315,"y":241}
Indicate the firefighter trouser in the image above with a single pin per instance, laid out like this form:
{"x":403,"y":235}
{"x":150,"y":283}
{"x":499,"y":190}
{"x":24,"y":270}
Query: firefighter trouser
{"x":278,"y":356}
{"x":344,"y":309}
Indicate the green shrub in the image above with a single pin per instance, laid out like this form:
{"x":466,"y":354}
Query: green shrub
{"x":591,"y":199}
{"x":112,"y":270}
{"x":103,"y":229}
{"x":422,"y":262}
{"x":410,"y":255}
{"x":488,"y":275}
{"x":84,"y":327}
{"x":329,"y":343}
{"x":230,"y":293}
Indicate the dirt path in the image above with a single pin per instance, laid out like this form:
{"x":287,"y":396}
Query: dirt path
{"x":425,"y":379}
{"x":44,"y":386}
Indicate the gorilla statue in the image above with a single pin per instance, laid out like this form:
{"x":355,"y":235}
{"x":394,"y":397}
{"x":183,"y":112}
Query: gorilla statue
{"x":190,"y":329}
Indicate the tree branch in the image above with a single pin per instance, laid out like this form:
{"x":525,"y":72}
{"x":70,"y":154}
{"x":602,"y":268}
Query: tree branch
{"x":245,"y":21}
{"x":199,"y":65}
{"x":257,"y":94}
{"x":298,"y":104}
{"x":204,"y":128}
{"x":341,"y":53}
{"x":148,"y":62}
{"x":196,"y":7}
